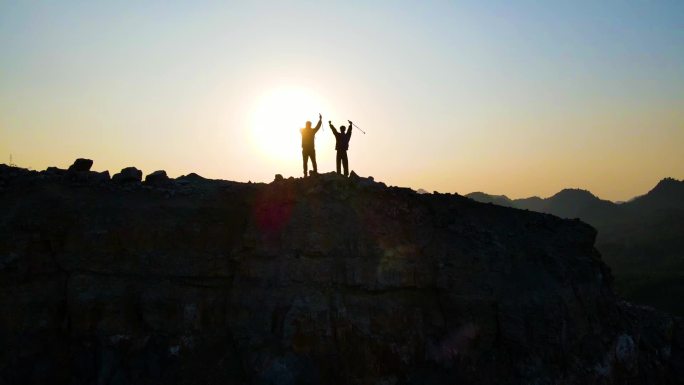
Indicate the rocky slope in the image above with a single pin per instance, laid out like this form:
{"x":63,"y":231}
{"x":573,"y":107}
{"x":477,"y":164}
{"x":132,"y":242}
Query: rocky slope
{"x":326,"y":280}
{"x":641,"y":239}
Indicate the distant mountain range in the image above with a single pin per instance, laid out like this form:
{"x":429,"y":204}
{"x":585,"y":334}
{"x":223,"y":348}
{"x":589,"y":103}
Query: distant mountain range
{"x":568,"y":202}
{"x":642,"y":240}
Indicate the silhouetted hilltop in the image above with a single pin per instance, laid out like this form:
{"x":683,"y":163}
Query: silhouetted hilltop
{"x":192,"y":177}
{"x":570,"y":203}
{"x":531,"y":203}
{"x":326,"y":280}
{"x":667,"y":194}
{"x":573,"y":203}
{"x":500,"y":200}
{"x":641,"y":240}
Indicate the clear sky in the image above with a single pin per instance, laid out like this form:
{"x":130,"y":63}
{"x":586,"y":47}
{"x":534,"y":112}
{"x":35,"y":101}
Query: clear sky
{"x":519,"y":98}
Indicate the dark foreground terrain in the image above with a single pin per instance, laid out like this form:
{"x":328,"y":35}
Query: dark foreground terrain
{"x":319,"y":281}
{"x":642,"y":240}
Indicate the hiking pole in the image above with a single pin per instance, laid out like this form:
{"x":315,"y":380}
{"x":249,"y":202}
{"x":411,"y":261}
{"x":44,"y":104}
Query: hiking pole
{"x":354,"y":124}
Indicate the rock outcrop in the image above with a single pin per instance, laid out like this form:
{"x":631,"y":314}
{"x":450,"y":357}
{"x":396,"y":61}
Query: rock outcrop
{"x":81,"y":164}
{"x":158,"y":178}
{"x":323,"y":280}
{"x":128,"y":175}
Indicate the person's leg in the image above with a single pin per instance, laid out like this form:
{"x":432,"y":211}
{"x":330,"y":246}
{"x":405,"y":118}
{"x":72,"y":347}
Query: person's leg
{"x":345,"y":163}
{"x":338,"y":161}
{"x":313,"y":161}
{"x":305,"y":161}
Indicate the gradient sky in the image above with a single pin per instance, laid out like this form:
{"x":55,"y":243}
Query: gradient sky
{"x":518,"y":98}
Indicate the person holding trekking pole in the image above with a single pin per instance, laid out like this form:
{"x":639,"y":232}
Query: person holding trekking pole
{"x":342,"y":145}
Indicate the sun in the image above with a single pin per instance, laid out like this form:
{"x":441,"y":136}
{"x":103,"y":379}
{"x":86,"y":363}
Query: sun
{"x":277,"y":118}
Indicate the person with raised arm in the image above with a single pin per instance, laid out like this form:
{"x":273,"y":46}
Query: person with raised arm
{"x":342,"y":145}
{"x":308,"y":145}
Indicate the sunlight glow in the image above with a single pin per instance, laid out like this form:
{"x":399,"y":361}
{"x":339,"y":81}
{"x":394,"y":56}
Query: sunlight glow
{"x":277,"y":118}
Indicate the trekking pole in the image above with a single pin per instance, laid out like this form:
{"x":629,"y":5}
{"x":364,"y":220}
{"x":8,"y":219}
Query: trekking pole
{"x":354,"y":124}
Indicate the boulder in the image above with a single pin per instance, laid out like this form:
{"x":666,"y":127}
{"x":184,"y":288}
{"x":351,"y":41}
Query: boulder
{"x":157,"y":178}
{"x":99,"y":177}
{"x":81,"y":164}
{"x":278,"y":178}
{"x":54,"y":171}
{"x":364,"y":182}
{"x":192,"y":177}
{"x":85,"y":177}
{"x":128,"y":175}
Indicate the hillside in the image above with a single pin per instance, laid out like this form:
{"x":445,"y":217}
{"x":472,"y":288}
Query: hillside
{"x":641,"y":240}
{"x":324,"y":280}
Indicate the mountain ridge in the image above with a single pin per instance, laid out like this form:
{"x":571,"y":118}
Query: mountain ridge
{"x":668,"y":187}
{"x":641,"y":239}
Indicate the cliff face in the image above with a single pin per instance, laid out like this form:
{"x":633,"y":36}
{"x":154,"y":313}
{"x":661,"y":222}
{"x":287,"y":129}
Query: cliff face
{"x":326,"y":280}
{"x":640,"y":240}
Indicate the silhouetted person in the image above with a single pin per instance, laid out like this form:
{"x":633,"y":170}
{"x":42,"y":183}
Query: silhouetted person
{"x":308,"y":148}
{"x":342,"y":145}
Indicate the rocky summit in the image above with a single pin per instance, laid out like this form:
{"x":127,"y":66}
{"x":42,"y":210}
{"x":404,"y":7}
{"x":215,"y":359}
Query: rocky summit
{"x":324,"y":280}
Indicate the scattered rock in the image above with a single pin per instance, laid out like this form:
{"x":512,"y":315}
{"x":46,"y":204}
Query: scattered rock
{"x":128,"y":175}
{"x":192,"y":177}
{"x":100,"y":177}
{"x":278,"y":178}
{"x":364,"y":182}
{"x":157,"y":178}
{"x":81,"y":164}
{"x":330,"y":176}
{"x":54,"y":171}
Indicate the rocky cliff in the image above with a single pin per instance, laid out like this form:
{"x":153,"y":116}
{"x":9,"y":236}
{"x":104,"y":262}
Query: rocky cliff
{"x":325,"y":280}
{"x":640,"y":240}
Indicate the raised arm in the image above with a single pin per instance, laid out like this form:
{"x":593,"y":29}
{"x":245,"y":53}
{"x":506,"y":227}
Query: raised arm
{"x":351,"y":127}
{"x":332,"y":128}
{"x":318,"y":125}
